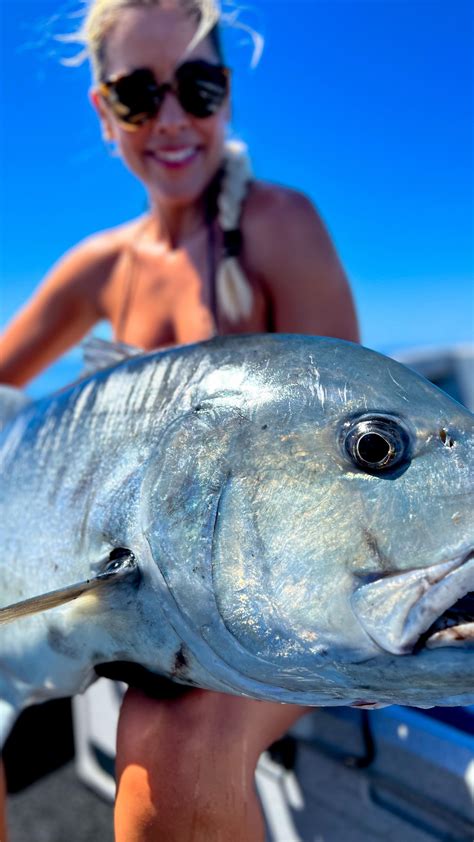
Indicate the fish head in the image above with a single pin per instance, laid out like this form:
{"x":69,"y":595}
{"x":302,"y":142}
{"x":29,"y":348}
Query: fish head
{"x":321,"y":494}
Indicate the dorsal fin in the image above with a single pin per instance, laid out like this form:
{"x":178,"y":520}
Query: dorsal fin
{"x":100,"y":353}
{"x":12,"y":401}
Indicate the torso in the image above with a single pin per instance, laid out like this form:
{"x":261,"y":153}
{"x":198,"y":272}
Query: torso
{"x":157,"y":296}
{"x":154,"y":295}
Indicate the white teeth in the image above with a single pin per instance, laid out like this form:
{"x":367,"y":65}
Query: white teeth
{"x":175,"y":156}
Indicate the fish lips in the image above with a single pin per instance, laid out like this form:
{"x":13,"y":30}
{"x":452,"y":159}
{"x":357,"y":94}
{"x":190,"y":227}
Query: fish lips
{"x":424,"y":608}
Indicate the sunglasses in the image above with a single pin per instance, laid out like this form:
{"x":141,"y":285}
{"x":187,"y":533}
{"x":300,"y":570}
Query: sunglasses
{"x":199,"y":86}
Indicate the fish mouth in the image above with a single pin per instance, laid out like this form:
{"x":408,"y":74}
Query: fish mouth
{"x":455,"y":626}
{"x":423,"y":608}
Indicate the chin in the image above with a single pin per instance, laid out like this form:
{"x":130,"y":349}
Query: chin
{"x":174,"y":198}
{"x":179,"y":195}
{"x":182,"y":188}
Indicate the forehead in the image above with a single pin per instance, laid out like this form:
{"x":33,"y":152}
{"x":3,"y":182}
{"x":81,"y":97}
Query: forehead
{"x":153,"y":37}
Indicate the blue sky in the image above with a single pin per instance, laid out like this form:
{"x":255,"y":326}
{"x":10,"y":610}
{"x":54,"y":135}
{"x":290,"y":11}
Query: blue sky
{"x":365,"y":105}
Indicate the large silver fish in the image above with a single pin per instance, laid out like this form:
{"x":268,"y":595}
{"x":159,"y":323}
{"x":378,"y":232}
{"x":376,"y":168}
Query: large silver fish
{"x":282,"y":517}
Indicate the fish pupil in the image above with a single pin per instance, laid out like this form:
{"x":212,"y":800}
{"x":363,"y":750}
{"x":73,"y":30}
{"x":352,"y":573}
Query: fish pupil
{"x":374,"y":449}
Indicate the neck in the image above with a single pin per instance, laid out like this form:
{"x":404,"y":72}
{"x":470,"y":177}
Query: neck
{"x":176,"y":223}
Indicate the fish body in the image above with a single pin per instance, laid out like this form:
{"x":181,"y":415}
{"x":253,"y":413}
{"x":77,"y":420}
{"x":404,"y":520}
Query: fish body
{"x":298,"y":512}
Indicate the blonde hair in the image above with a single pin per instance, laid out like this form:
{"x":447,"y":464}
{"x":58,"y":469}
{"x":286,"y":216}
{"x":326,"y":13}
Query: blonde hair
{"x":233,"y":291}
{"x":101,"y":15}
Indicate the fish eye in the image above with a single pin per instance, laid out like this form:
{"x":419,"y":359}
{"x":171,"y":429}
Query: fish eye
{"x":376,"y":442}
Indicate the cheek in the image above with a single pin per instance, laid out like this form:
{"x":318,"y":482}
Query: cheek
{"x":212,"y":132}
{"x":131,"y":145}
{"x":132,"y":141}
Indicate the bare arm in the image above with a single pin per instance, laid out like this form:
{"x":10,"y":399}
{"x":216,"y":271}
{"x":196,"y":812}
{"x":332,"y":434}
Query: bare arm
{"x":300,"y":270}
{"x":59,"y":313}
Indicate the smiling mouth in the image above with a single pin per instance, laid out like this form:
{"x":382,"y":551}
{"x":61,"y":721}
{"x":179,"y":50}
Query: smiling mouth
{"x":424,"y":608}
{"x":175,"y":157}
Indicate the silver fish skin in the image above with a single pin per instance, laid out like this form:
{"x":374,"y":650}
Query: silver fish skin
{"x":299,"y":510}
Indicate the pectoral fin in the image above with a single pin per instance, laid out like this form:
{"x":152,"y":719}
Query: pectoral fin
{"x":120,"y":566}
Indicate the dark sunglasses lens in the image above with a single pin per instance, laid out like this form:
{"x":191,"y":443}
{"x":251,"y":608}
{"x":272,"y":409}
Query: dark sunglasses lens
{"x":135,"y":98}
{"x":202,"y":87}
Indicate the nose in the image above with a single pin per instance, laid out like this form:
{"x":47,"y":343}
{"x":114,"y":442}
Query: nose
{"x":171,"y":117}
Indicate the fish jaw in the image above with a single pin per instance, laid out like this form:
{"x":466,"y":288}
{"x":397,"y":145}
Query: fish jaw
{"x":398,"y":611}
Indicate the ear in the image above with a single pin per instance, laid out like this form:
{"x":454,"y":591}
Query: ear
{"x":106,"y":122}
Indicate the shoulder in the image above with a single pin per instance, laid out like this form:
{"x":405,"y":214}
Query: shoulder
{"x":101,"y":250}
{"x":281,"y":222}
{"x":84,"y":272}
{"x":288,"y":248}
{"x":271,"y":204}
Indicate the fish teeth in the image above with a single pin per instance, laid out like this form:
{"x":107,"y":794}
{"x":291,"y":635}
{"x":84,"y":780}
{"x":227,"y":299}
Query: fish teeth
{"x":459,"y":635}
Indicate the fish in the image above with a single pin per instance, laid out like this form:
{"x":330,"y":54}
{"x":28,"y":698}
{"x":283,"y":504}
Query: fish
{"x":279,"y":517}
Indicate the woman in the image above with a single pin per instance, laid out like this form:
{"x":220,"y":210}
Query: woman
{"x":217,"y":253}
